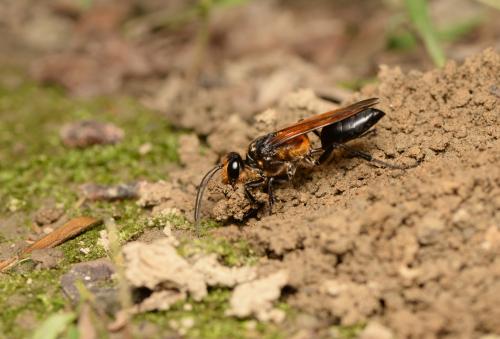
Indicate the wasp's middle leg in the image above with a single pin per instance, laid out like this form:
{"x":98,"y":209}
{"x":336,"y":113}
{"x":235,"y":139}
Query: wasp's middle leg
{"x":370,"y":158}
{"x":248,"y":194}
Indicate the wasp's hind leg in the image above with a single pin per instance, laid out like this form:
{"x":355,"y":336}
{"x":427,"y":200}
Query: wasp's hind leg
{"x":370,"y":158}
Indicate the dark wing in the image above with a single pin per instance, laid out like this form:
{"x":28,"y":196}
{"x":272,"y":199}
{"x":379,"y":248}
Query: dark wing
{"x":320,"y":120}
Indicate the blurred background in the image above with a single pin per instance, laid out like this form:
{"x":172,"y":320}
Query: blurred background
{"x":96,"y":47}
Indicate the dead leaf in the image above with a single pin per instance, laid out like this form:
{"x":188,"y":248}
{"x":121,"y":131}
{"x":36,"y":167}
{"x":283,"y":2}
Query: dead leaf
{"x":67,"y":231}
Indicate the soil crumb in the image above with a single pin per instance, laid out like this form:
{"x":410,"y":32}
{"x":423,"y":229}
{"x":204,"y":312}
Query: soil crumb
{"x":414,"y":251}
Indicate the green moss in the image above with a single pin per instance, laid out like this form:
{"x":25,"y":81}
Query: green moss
{"x":357,"y":84}
{"x":83,"y":248}
{"x":401,"y":40}
{"x":36,"y":292}
{"x":347,"y":332}
{"x":35,"y":164}
{"x":231,"y":253}
{"x":209,"y":319}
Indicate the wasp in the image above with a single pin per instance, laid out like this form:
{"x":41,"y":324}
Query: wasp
{"x":274,"y":158}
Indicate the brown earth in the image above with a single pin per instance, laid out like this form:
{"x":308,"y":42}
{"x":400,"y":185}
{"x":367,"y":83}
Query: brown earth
{"x":415,"y":250}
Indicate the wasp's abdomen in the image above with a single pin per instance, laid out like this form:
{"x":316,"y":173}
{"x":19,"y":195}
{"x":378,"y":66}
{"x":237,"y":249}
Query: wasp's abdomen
{"x":350,"y":128}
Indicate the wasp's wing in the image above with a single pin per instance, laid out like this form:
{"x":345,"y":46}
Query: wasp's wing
{"x":320,"y":120}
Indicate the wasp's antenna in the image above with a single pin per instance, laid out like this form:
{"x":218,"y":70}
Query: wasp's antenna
{"x":201,"y":189}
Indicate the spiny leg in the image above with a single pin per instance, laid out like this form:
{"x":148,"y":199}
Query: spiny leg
{"x":270,"y":194}
{"x":369,"y":157}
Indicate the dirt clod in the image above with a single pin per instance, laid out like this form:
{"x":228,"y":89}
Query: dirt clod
{"x":94,"y":192}
{"x":48,"y":215}
{"x":375,"y":330}
{"x":88,"y":132}
{"x":164,"y":266}
{"x":257,"y":297}
{"x":217,"y":275}
{"x":47,"y":258}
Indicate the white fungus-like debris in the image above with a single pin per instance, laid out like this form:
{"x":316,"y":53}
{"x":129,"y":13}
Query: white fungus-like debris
{"x":257,"y":297}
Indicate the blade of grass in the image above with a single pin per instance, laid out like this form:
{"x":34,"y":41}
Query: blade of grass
{"x":122,"y":318}
{"x":492,"y":3}
{"x":53,"y":326}
{"x":419,"y":15}
{"x":459,"y":29}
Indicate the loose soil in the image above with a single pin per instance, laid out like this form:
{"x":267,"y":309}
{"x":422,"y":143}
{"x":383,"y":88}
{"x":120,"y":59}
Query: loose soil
{"x":415,"y":250}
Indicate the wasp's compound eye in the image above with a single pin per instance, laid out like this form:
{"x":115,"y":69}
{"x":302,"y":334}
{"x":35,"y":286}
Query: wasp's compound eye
{"x":234,"y":167}
{"x":233,"y":170}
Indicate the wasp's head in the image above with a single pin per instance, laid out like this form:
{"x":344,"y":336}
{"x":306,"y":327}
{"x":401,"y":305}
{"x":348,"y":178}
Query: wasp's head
{"x":232,"y":168}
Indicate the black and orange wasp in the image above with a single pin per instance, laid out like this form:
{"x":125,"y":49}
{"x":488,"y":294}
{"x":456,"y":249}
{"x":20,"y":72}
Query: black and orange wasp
{"x":275,"y":157}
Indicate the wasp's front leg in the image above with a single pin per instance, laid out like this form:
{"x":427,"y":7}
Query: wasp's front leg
{"x":253,"y":184}
{"x":256,"y":205}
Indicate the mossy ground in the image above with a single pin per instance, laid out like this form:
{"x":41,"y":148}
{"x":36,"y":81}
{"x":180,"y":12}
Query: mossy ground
{"x":36,"y":166}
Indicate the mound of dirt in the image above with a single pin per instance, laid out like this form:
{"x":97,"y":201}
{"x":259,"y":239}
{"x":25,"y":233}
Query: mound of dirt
{"x":417,"y":250}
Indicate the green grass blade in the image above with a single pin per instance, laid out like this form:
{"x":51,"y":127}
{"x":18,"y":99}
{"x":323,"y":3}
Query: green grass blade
{"x":492,"y":3}
{"x":53,"y":326}
{"x":419,"y":16}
